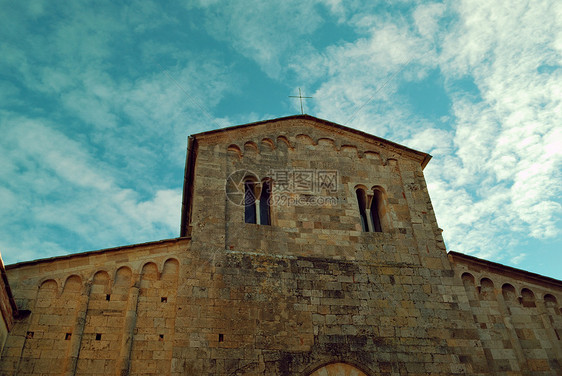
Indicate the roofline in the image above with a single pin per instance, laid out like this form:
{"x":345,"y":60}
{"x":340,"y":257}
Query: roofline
{"x":9,"y":293}
{"x":426,"y":157}
{"x":187,"y":193}
{"x":96,"y":252}
{"x":496,"y":267}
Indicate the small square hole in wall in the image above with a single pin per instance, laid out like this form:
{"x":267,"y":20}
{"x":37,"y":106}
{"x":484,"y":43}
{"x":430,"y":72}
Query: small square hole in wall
{"x":221,"y":337}
{"x":108,"y":297}
{"x":98,"y":336}
{"x":161,"y":337}
{"x":68,"y":336}
{"x":164,"y":299}
{"x":29,"y":335}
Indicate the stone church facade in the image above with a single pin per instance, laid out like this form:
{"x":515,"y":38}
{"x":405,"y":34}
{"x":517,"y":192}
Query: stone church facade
{"x":306,"y":248}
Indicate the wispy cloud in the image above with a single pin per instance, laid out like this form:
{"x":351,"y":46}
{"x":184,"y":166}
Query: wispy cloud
{"x":53,"y":181}
{"x":267,"y":32}
{"x":95,"y":157}
{"x":496,"y":175}
{"x":508,"y":140}
{"x":98,"y":101}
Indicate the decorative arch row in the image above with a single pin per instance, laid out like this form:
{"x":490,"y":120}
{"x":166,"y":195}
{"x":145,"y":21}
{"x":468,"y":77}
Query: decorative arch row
{"x":526,"y":297}
{"x":122,"y":277}
{"x":372,"y":207}
{"x":268,"y":144}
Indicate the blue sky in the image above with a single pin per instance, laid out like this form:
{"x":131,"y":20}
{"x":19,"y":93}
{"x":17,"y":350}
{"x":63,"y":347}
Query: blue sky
{"x":97,"y":100}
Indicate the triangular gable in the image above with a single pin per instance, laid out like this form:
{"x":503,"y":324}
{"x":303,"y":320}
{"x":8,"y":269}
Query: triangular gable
{"x":422,"y":157}
{"x":242,"y":134}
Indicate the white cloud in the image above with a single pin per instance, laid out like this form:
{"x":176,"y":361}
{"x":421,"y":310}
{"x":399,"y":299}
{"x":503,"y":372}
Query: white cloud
{"x":357,"y":81}
{"x":427,"y":17}
{"x":495,"y":175}
{"x":84,"y":197}
{"x":94,"y":151}
{"x":512,"y":135}
{"x":432,"y":140}
{"x":265,"y":31}
{"x":97,"y":158}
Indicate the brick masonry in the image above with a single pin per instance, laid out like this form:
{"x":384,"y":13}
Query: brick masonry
{"x":310,"y":294}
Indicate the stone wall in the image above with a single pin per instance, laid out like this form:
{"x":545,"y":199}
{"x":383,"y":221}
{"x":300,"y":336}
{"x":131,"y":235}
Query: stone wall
{"x":312,"y":287}
{"x":311,"y":228}
{"x":8,"y":308}
{"x":165,"y":308}
{"x":516,"y":313}
{"x":99,"y":313}
{"x":310,"y":294}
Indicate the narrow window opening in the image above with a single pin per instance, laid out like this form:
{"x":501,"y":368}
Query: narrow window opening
{"x":29,"y":335}
{"x":98,"y":336}
{"x":362,"y":214}
{"x":376,"y":206}
{"x":161,"y":337}
{"x":265,"y":201}
{"x":221,"y":337}
{"x":249,"y":202}
{"x":108,"y":297}
{"x":68,"y":336}
{"x":164,"y":299}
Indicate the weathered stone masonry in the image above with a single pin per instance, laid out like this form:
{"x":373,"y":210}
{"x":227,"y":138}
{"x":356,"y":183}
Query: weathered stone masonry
{"x":310,"y":294}
{"x":8,"y":308}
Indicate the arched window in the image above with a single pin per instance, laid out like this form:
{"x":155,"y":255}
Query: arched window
{"x":468,"y":280}
{"x":550,"y":301}
{"x":250,"y":201}
{"x":527,"y":298}
{"x":362,"y":213}
{"x":487,"y":289}
{"x":377,"y":210}
{"x":265,"y":202}
{"x":508,"y":293}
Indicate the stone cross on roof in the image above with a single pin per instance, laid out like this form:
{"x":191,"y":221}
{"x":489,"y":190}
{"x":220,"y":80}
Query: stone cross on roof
{"x":301,"y":98}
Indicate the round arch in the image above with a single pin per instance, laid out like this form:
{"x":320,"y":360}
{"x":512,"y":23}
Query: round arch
{"x":337,"y":369}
